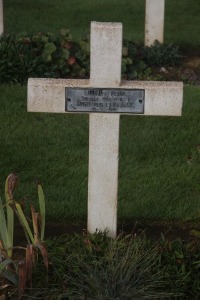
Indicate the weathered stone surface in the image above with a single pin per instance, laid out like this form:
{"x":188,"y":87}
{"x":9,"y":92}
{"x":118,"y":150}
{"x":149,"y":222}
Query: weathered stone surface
{"x":106,"y":53}
{"x":162,"y":98}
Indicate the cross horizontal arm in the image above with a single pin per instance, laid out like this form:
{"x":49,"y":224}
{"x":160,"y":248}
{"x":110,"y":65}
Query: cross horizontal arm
{"x":48,"y":95}
{"x":161,"y":98}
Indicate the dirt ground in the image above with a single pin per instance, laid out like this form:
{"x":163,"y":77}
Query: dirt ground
{"x":189,"y":71}
{"x":151,"y":229}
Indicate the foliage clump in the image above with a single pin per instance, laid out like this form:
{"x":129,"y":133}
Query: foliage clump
{"x":94,"y":266}
{"x":159,"y":55}
{"x":51,"y":55}
{"x":16,"y":267}
{"x":41,"y":55}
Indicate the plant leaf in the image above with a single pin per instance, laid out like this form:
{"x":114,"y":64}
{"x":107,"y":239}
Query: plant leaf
{"x":8,"y":273}
{"x":24,"y":222}
{"x":10,"y":186}
{"x":35,"y":224}
{"x":42,"y":210}
{"x":195,"y":233}
{"x":5,"y":263}
{"x":3,"y":227}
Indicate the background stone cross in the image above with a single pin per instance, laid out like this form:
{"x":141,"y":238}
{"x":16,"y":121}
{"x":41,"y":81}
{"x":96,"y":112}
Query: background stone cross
{"x":1,"y":18}
{"x":154,"y":21}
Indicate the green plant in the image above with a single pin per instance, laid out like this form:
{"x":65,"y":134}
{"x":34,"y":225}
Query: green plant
{"x":148,"y":74}
{"x":7,"y":224}
{"x":102,"y":268}
{"x":18,"y":270}
{"x":41,"y":55}
{"x":57,"y":56}
{"x":159,"y":55}
{"x":138,"y":60}
{"x":19,"y":60}
{"x":8,"y":271}
{"x":180,"y":266}
{"x":94,"y":266}
{"x":34,"y":239}
{"x":132,"y":62}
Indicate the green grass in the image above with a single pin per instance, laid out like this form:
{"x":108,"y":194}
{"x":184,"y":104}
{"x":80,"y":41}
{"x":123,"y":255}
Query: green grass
{"x":181,"y":17}
{"x":162,"y":180}
{"x":155,"y":179}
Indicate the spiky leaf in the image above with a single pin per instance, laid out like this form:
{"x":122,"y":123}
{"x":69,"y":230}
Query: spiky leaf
{"x":3,"y":227}
{"x":24,"y":222}
{"x":10,"y":186}
{"x":42,"y":210}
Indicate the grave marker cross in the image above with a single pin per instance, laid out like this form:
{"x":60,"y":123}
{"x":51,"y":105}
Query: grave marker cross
{"x":105,"y":98}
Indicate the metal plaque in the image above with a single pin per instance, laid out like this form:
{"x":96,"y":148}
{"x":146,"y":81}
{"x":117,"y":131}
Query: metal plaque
{"x":104,"y":100}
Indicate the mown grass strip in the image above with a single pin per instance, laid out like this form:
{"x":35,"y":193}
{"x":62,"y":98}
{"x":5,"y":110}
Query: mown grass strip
{"x":181,"y":17}
{"x":159,"y":161}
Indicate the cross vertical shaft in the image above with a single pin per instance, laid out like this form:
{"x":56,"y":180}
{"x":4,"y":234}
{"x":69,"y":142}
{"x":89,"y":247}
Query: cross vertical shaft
{"x":106,"y":52}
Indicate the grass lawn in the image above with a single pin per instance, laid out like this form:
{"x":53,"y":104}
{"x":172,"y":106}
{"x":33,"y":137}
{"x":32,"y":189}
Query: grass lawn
{"x":181,"y":17}
{"x":155,"y":178}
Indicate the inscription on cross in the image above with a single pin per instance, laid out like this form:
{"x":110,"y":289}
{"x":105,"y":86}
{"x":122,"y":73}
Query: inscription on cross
{"x":104,"y":97}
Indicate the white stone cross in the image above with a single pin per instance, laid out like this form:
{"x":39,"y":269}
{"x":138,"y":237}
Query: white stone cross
{"x":105,"y":97}
{"x":1,"y":17}
{"x":154,"y":21}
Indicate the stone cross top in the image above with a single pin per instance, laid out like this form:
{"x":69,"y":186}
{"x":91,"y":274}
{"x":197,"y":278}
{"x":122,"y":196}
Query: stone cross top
{"x":104,"y":97}
{"x":154,"y":21}
{"x":1,"y":17}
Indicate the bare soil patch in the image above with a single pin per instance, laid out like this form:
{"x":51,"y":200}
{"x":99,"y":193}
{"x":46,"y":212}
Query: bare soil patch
{"x":188,"y":71}
{"x":152,"y":229}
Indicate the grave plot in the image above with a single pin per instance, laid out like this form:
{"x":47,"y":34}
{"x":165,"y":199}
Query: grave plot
{"x":104,"y":97}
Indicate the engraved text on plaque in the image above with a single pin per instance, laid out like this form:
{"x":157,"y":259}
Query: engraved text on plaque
{"x":108,"y":100}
